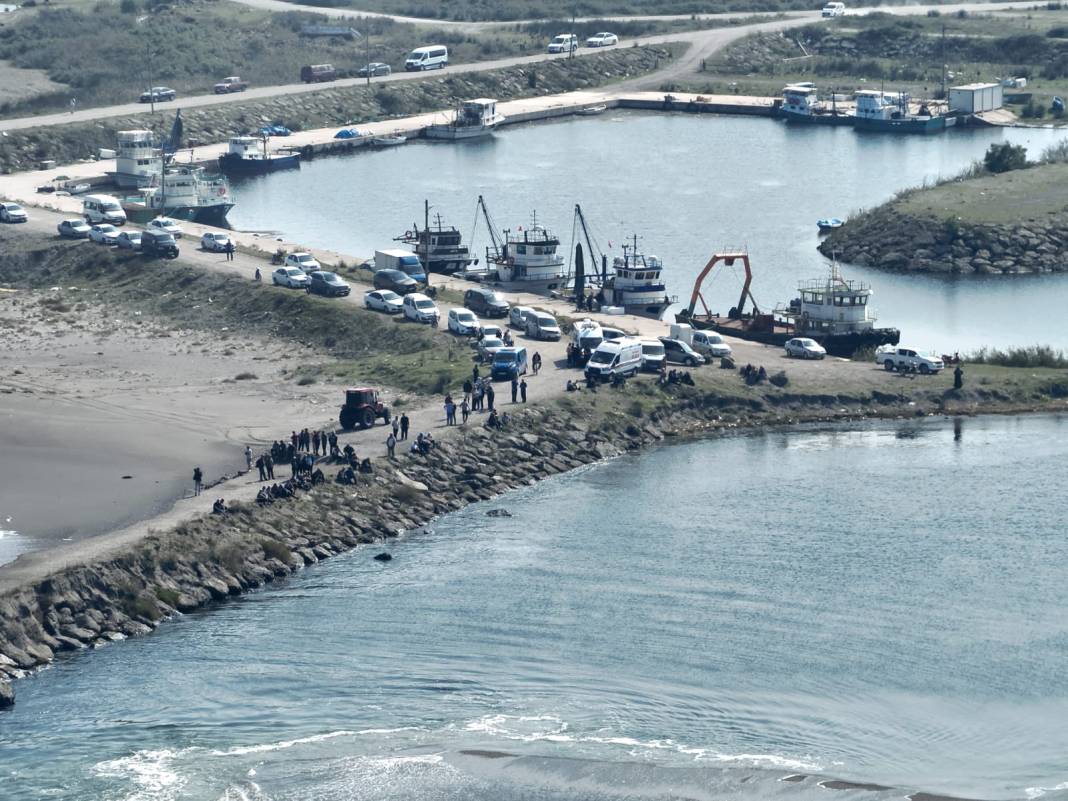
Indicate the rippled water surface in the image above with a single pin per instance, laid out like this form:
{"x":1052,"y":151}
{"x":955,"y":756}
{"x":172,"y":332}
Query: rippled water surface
{"x":880,"y":605}
{"x":689,"y":185}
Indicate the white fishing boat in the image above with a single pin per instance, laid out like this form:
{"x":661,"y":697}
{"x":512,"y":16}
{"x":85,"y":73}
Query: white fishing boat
{"x":526,"y":258}
{"x":390,"y":140}
{"x":636,"y":283}
{"x":137,"y":159}
{"x":184,"y":193}
{"x":474,"y":118}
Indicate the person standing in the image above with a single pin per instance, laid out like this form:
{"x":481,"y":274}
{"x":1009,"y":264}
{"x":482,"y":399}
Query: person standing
{"x":391,"y":444}
{"x":262,"y":467}
{"x":474,"y":374}
{"x":198,"y":480}
{"x":230,"y":250}
{"x":396,"y":426}
{"x":468,"y":389}
{"x":268,"y":463}
{"x":248,"y":457}
{"x":489,"y":396}
{"x":523,"y":390}
{"x":515,"y":387}
{"x":958,"y":377}
{"x":465,"y":409}
{"x":404,"y":426}
{"x":315,"y":442}
{"x":535,"y":363}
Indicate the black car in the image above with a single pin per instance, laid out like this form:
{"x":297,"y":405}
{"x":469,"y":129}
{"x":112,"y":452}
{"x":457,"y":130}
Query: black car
{"x":159,"y":243}
{"x":399,"y":282}
{"x":375,"y":69}
{"x":485,"y":302}
{"x":327,"y":284}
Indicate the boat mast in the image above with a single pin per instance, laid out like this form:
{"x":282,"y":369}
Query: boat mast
{"x":426,"y":239}
{"x":498,"y":247}
{"x":594,"y":252}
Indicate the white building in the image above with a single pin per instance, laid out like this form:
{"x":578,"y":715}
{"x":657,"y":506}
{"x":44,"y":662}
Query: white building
{"x":975,"y":97}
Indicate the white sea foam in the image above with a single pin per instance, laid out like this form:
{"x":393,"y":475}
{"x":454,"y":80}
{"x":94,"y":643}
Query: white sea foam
{"x":241,"y":750}
{"x":151,"y":772}
{"x":6,"y":532}
{"x":1038,"y":792}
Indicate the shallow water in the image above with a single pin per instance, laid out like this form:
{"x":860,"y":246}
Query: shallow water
{"x":881,"y":604}
{"x":689,"y":185}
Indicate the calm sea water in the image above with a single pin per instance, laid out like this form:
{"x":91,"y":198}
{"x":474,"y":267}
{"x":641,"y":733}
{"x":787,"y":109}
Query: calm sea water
{"x":689,"y":185}
{"x":882,"y":604}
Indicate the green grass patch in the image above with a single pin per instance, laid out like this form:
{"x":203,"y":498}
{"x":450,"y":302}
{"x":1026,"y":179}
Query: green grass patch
{"x":1029,"y":356}
{"x":273,"y":549}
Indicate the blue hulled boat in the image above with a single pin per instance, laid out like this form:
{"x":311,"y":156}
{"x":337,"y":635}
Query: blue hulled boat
{"x":249,"y":155}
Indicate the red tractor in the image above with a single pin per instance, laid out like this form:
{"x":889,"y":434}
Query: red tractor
{"x":361,"y":408}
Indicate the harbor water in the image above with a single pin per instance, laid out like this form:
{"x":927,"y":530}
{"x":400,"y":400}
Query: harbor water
{"x":689,"y":185}
{"x":880,"y":605}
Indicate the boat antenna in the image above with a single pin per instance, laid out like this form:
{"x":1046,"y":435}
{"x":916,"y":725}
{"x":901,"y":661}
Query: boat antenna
{"x":593,"y":249}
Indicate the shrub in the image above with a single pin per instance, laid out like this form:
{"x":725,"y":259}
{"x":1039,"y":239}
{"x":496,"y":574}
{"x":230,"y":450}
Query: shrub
{"x":1005,"y":157}
{"x":245,"y":377}
{"x":167,"y":596}
{"x":1029,"y":356}
{"x":636,"y":409}
{"x":273,"y":549}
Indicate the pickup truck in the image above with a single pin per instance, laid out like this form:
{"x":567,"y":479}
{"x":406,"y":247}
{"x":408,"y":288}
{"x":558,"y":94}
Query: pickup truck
{"x":908,"y":360}
{"x":232,"y":83}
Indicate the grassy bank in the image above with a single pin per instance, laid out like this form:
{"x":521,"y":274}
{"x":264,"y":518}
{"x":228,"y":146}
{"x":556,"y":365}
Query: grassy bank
{"x":23,"y":149}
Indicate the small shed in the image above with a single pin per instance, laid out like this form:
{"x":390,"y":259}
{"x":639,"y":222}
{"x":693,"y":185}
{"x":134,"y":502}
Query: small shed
{"x":974,"y":98}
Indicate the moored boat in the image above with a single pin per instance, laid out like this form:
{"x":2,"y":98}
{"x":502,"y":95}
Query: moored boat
{"x":891,"y":112}
{"x":591,"y":111}
{"x":636,"y":283}
{"x":390,"y":140}
{"x":439,"y":247}
{"x":473,"y":119}
{"x":184,"y":193}
{"x":250,"y":155}
{"x":527,"y":258}
{"x":833,"y":311}
{"x":801,"y":103}
{"x":829,"y":224}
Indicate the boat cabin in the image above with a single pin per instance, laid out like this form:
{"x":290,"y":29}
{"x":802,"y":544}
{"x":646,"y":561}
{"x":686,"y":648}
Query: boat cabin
{"x":137,"y":159}
{"x":832,"y":305}
{"x":875,"y":105}
{"x":800,"y":98}
{"x":482,"y":111}
{"x":247,"y":148}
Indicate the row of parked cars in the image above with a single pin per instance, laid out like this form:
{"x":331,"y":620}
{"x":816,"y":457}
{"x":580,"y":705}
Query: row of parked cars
{"x":158,"y":238}
{"x":569,"y":42}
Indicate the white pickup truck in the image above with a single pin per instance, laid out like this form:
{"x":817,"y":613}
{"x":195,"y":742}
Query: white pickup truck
{"x":908,"y":360}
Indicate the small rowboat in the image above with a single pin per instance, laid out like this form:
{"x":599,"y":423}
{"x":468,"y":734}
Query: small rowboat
{"x":390,"y":141}
{"x":828,"y":224}
{"x":589,"y":111}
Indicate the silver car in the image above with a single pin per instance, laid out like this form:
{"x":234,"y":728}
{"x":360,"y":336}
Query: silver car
{"x":104,"y":234}
{"x":129,"y":240}
{"x":74,"y":229}
{"x":215,"y":242}
{"x":292,"y":277}
{"x":383,"y":300}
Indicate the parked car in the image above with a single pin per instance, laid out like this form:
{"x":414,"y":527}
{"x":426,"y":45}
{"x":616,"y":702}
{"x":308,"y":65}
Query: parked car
{"x":804,"y":348}
{"x":517,"y":316}
{"x":74,"y":229}
{"x":564,"y":43}
{"x":427,"y":58}
{"x":155,"y":242}
{"x":384,"y":300}
{"x":485,"y":302}
{"x":542,"y":325}
{"x":158,"y":94}
{"x":395,"y":281}
{"x":375,"y":69}
{"x":317,"y":73}
{"x":322,"y":282}
{"x":302,"y":261}
{"x":215,"y":241}
{"x":12,"y":213}
{"x":463,"y":322}
{"x":833,"y":10}
{"x":129,"y":240}
{"x":420,"y":308}
{"x":678,"y":352}
{"x":231,"y":83}
{"x":104,"y":234}
{"x":292,"y":277}
{"x":604,"y":39}
{"x":909,"y":360}
{"x":167,"y":225}
{"x":509,"y":363}
{"x":488,"y":347}
{"x":275,"y":129}
{"x":710,"y":344}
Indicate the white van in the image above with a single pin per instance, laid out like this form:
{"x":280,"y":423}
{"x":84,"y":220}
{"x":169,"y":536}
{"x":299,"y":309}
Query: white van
{"x":615,"y":357}
{"x":420,"y":308}
{"x":833,"y":10}
{"x":587,"y":333}
{"x":542,"y":325}
{"x":653,"y":356}
{"x":564,"y":43}
{"x":102,"y":209}
{"x":427,"y":58}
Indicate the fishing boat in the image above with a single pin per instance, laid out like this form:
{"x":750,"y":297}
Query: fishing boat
{"x":137,"y":159}
{"x":891,"y":112}
{"x":439,"y":247}
{"x":390,"y":140}
{"x":635,"y":283}
{"x":472,"y":119}
{"x":250,"y":155}
{"x":834,"y":311}
{"x":526,"y":258}
{"x":828,"y":224}
{"x":185,"y":192}
{"x":801,"y":103}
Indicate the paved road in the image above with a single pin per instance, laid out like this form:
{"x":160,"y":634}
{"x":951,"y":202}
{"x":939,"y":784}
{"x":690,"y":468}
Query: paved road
{"x":705,"y":43}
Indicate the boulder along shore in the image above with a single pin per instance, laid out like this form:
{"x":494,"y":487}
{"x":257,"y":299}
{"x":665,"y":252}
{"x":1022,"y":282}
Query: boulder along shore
{"x":893,"y":240}
{"x":216,"y":556}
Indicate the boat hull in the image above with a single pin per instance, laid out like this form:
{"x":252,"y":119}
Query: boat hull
{"x":844,"y":345}
{"x":831,"y":118}
{"x":449,"y":132}
{"x":235,"y":165}
{"x":906,"y":125}
{"x":205,"y":215}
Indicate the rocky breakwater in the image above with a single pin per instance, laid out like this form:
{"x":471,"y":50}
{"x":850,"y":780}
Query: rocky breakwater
{"x":894,"y":240}
{"x":349,"y":105}
{"x":217,"y":556}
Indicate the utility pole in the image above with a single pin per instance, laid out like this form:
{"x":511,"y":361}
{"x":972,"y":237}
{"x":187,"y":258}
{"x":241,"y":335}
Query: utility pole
{"x":149,"y":59}
{"x":943,"y":57}
{"x":367,"y":49}
{"x":426,"y":240}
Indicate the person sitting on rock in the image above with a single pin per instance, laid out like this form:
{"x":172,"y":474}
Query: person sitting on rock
{"x":346,"y":476}
{"x":571,"y":386}
{"x":762,"y":374}
{"x":219,"y":507}
{"x":318,"y":477}
{"x":686,"y":378}
{"x":493,"y":421}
